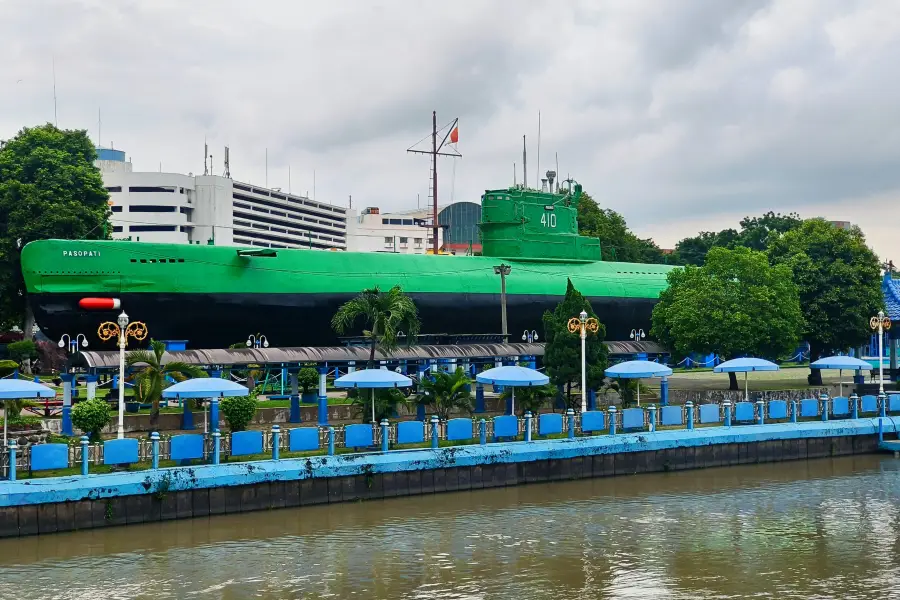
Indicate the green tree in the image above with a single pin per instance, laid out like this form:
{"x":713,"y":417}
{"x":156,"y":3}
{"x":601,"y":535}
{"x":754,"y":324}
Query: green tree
{"x":307,"y":379}
{"x":617,"y":242}
{"x":151,"y":374}
{"x":384,"y":314}
{"x":239,"y":411}
{"x":562,"y":350}
{"x":91,"y":416}
{"x":735,"y":304}
{"x":757,"y":233}
{"x":839,"y":280}
{"x":532,"y":398}
{"x":49,"y":188}
{"x":693,"y":250}
{"x":446,"y":392}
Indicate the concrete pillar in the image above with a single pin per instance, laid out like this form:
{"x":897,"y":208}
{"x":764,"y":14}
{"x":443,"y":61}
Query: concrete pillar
{"x":760,"y":412}
{"x":294,"y":416}
{"x":592,"y":400}
{"x":652,"y":409}
{"x":276,"y":441}
{"x":323,"y":396}
{"x":351,"y":367}
{"x":612,"y":420}
{"x":187,"y":417}
{"x":498,"y":362}
{"x":532,"y":362}
{"x":689,"y":406}
{"x":854,"y":406}
{"x":727,"y":406}
{"x":12,"y":459}
{"x":823,"y":399}
{"x":482,"y":432}
{"x":213,"y":414}
{"x":85,"y":455}
{"x":91,"y":381}
{"x":67,"y":404}
{"x":479,"y":397}
{"x":154,"y":450}
{"x":664,"y":391}
{"x":570,"y":424}
{"x":527,"y":425}
{"x":217,"y":447}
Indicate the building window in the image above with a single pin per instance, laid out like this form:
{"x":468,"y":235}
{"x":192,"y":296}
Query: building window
{"x":145,"y":188}
{"x":149,"y":228}
{"x":117,"y":209}
{"x":117,"y":229}
{"x":404,"y":242}
{"x":418,"y":242}
{"x":407,"y":221}
{"x":114,"y":188}
{"x":384,"y":221}
{"x":395,"y":221}
{"x":388,"y":242}
{"x":150,"y":208}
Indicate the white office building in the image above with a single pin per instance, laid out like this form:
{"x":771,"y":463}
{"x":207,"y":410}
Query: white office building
{"x":402,"y":232}
{"x":210,"y":209}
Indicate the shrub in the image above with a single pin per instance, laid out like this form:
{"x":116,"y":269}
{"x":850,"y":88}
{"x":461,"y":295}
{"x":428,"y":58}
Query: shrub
{"x":91,"y":416}
{"x":308,"y":378}
{"x":386,"y":402}
{"x":21,"y":351}
{"x":239,"y":411}
{"x":7,"y":367}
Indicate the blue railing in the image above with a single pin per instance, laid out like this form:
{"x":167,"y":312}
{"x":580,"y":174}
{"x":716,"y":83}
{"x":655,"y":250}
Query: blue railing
{"x":384,"y":437}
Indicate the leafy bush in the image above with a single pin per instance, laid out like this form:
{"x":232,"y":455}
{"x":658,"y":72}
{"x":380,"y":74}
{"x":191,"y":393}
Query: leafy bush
{"x":91,"y":416}
{"x":308,"y":378}
{"x":239,"y":411}
{"x":7,"y":367}
{"x":20,"y":421}
{"x":386,"y":402}
{"x":531,"y":398}
{"x":21,"y":351}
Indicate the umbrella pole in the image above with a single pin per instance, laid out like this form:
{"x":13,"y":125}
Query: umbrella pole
{"x":639,"y":392}
{"x":5,"y":419}
{"x":512,"y":404}
{"x":373,"y":407}
{"x":746,"y":387}
{"x":205,"y":418}
{"x":840,"y":382}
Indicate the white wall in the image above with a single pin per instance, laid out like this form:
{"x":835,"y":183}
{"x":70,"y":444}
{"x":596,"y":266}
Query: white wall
{"x":132,"y":220}
{"x":212,"y":214}
{"x":370,"y":234}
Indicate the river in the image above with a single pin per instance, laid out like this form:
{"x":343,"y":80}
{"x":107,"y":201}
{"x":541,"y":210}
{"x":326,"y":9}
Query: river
{"x":809,"y":529}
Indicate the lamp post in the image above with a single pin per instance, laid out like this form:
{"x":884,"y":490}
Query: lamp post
{"x":638,"y":334}
{"x":502,"y":270}
{"x":71,"y":345}
{"x":530,"y":336}
{"x":122,"y":330}
{"x":255,"y":341}
{"x":582,"y":324}
{"x":880,"y":323}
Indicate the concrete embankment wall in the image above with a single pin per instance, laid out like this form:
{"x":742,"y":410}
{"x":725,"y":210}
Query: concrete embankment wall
{"x":50,"y":505}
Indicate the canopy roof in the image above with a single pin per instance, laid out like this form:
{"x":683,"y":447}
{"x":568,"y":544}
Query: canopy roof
{"x":14,"y":389}
{"x":845,"y":363}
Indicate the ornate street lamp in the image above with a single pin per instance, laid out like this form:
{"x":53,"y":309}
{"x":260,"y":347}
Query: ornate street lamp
{"x":880,"y":323}
{"x":530,"y":336}
{"x":255,"y":341}
{"x":122,"y":330}
{"x":582,"y":324}
{"x":71,"y":345}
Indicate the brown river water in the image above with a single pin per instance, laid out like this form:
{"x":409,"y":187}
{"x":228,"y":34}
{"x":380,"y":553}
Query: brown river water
{"x":818,"y":529}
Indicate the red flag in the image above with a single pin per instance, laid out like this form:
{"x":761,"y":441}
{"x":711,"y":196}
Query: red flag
{"x":454,"y":135}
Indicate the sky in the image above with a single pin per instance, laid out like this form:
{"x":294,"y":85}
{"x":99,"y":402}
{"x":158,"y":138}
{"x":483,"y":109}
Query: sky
{"x":683,"y":116}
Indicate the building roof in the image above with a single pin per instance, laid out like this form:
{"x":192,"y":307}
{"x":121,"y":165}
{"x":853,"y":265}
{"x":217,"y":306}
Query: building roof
{"x":891,"y":290}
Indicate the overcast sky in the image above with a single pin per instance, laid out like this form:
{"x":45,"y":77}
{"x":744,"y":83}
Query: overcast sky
{"x":682,"y":115}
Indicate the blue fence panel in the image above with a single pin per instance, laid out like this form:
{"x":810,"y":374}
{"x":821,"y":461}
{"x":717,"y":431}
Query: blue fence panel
{"x":246,"y":442}
{"x":358,"y":436}
{"x":671,"y":415}
{"x":894,"y":402}
{"x":840,"y":406}
{"x":186,"y":447}
{"x":550,"y":424}
{"x":459,"y":429}
{"x":593,"y":420}
{"x":743,"y":411}
{"x":506,"y":426}
{"x":49,"y":456}
{"x":868,"y":404}
{"x":809,"y":407}
{"x":120,"y":452}
{"x":709,"y":413}
{"x":303,"y":439}
{"x":778,"y":409}
{"x":633,"y":418}
{"x":410,"y":432}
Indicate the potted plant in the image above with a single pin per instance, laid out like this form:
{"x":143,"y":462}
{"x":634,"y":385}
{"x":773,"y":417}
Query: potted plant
{"x":308,"y":379}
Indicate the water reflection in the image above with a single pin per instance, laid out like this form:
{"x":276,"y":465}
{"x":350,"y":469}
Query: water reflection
{"x":815,"y":529}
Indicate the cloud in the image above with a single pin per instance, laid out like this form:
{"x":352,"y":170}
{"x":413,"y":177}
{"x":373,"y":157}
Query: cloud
{"x":679,"y":115}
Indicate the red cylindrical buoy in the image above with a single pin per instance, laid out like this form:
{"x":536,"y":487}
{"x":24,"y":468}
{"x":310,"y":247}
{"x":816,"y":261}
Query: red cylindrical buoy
{"x":100,"y":303}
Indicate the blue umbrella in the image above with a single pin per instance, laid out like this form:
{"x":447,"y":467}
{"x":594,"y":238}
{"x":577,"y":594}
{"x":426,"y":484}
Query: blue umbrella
{"x":512,"y":376}
{"x":841,"y":363}
{"x":638,"y":369}
{"x":205,"y":387}
{"x":745,"y":365}
{"x":19,"y":389}
{"x":371,"y":379}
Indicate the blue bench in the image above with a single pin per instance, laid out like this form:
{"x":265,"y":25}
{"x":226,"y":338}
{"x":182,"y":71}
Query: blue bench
{"x":358,"y":436}
{"x":186,"y":447}
{"x":246,"y":442}
{"x":593,"y":420}
{"x":303,"y":439}
{"x":459,"y":429}
{"x":45,"y":457}
{"x":410,"y":432}
{"x":550,"y":424}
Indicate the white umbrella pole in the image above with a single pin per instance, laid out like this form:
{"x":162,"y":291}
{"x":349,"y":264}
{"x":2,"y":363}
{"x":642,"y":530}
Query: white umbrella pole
{"x":746,"y":387}
{"x":373,"y":407}
{"x":205,"y":418}
{"x":512,"y":403}
{"x":5,"y":419}
{"x":639,"y":392}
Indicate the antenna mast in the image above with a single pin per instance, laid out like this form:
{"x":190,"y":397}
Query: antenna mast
{"x":434,"y":153}
{"x":538,"y":176}
{"x":227,"y":162}
{"x":205,"y":157}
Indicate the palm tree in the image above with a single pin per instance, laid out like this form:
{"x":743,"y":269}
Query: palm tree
{"x":531,"y":398}
{"x":446,"y":392}
{"x":384,"y":313}
{"x":150,"y":379}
